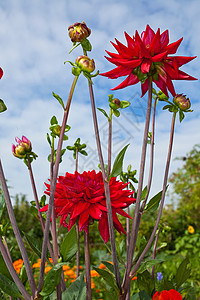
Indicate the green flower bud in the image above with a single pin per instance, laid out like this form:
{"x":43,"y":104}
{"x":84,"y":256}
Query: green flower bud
{"x":85,"y":63}
{"x":182,"y":102}
{"x":56,"y":129}
{"x":78,"y":32}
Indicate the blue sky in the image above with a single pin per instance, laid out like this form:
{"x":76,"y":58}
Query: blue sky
{"x":34,"y":45}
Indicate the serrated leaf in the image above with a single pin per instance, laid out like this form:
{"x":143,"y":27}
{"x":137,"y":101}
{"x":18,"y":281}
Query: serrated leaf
{"x":153,"y":204}
{"x":117,"y":166}
{"x":69,"y":245}
{"x":77,"y":290}
{"x":52,"y":279}
{"x":109,"y":279}
{"x":183,"y":273}
{"x":2,"y":106}
{"x":59,"y":99}
{"x":103,"y":112}
{"x":9,"y":287}
{"x":53,"y":120}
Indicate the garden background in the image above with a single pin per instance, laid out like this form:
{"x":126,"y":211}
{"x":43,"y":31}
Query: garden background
{"x":34,"y":43}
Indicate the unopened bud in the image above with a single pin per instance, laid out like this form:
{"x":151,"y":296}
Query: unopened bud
{"x":23,"y":148}
{"x":182,"y":102}
{"x":56,"y":129}
{"x":116,"y":101}
{"x":85,"y":63}
{"x":78,"y":32}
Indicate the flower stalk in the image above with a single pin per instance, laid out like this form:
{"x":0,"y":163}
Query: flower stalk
{"x":16,"y":231}
{"x":53,"y":184}
{"x":87,"y":267}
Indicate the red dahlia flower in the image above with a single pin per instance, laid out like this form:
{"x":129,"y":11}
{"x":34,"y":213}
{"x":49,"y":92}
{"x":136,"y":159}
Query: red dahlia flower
{"x":167,"y":295}
{"x":82,"y":197}
{"x":148,"y":56}
{"x":1,"y":73}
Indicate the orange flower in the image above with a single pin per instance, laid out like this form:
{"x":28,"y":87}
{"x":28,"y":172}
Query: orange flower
{"x":92,"y":285}
{"x":94,"y":273}
{"x":47,"y":269}
{"x":18,"y":265}
{"x":134,"y":278}
{"x":65,"y":267}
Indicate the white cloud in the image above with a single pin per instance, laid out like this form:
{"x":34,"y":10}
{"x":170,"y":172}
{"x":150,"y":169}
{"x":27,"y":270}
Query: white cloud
{"x":34,"y":45}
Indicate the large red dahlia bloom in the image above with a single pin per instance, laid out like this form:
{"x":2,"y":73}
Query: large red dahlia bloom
{"x":167,"y":295}
{"x":148,"y":56}
{"x":82,"y":197}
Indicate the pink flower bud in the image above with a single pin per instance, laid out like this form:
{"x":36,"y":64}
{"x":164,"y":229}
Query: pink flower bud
{"x":78,"y":32}
{"x":182,"y":102}
{"x":85,"y":63}
{"x":23,"y":148}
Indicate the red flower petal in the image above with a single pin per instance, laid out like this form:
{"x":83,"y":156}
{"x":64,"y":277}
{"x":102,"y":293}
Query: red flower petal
{"x":172,"y":48}
{"x":130,"y":80}
{"x":146,"y":65}
{"x":117,"y":72}
{"x":1,"y":73}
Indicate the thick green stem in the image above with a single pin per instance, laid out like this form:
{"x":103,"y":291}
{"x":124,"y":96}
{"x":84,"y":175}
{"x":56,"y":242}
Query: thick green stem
{"x":53,"y":185}
{"x":87,"y":267}
{"x":16,"y":231}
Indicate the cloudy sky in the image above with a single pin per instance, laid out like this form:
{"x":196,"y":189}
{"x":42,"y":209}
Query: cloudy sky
{"x":34,"y":45}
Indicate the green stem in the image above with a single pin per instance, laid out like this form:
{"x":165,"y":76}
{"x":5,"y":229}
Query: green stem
{"x":13,"y":272}
{"x":154,"y":252}
{"x":87,"y":267}
{"x":16,"y":232}
{"x":107,"y":191}
{"x":137,"y":265}
{"x":109,"y":146}
{"x":53,"y":185}
{"x":135,"y":224}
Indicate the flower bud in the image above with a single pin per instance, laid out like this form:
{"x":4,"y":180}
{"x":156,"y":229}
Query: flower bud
{"x":117,"y":102}
{"x":23,"y":148}
{"x":56,"y":129}
{"x":182,"y":102}
{"x":85,"y":63}
{"x":78,"y":32}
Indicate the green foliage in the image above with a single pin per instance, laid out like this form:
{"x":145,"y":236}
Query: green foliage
{"x":2,"y":106}
{"x":77,"y":290}
{"x":9,"y":287}
{"x":69,"y":245}
{"x":117,"y":166}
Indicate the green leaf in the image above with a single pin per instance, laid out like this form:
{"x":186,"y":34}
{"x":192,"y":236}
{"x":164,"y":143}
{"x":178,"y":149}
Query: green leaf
{"x":109,"y":266}
{"x":9,"y":287}
{"x":124,"y":104}
{"x":191,"y":294}
{"x":76,"y":71}
{"x":181,"y":116}
{"x":117,"y":166}
{"x":148,"y":264}
{"x":144,"y":193}
{"x":53,"y":121}
{"x":77,"y":290}
{"x":183,"y":273}
{"x":69,"y":245}
{"x":153,"y":204}
{"x":116,"y":113}
{"x":83,"y":152}
{"x":86,"y":45}
{"x":52,"y":279}
{"x":144,"y":296}
{"x":145,"y":282}
{"x":2,"y":204}
{"x":2,"y":106}
{"x":167,"y":107}
{"x":59,"y":99}
{"x":3,"y":268}
{"x":109,"y":279}
{"x":48,"y":139}
{"x":35,"y":244}
{"x":103,"y":112}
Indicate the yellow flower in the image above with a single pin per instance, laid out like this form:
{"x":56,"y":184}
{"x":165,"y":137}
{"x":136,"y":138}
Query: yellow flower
{"x":93,"y":273}
{"x":191,"y":229}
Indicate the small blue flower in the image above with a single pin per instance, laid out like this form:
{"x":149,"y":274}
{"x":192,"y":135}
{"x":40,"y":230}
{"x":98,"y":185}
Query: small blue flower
{"x":159,"y":276}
